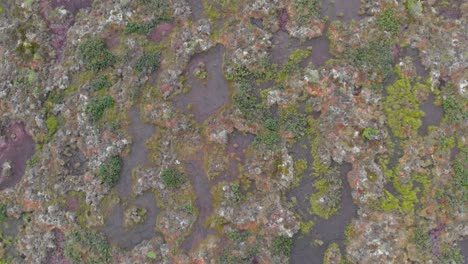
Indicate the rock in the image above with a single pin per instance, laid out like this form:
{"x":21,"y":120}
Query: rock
{"x":6,"y":169}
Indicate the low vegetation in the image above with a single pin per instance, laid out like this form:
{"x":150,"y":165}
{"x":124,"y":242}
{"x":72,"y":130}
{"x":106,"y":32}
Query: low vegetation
{"x":95,"y":109}
{"x":95,"y":55}
{"x":172,"y":178}
{"x":109,"y":172}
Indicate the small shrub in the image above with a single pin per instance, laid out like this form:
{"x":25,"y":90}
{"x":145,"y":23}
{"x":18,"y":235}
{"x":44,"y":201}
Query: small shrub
{"x":109,"y":172}
{"x":102,"y":82}
{"x":148,"y":63}
{"x":388,"y":21}
{"x":95,"y":55}
{"x":172,"y":178}
{"x":95,"y":109}
{"x":282,"y":245}
{"x":452,"y":109}
{"x":374,"y":57}
{"x":306,"y":10}
{"x":3,"y":213}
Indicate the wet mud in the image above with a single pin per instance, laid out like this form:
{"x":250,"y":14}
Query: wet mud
{"x":16,"y":148}
{"x":284,"y":45}
{"x":343,"y":10}
{"x":433,"y":115}
{"x":206,"y":96}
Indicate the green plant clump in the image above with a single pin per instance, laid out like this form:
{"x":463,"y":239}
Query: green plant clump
{"x":388,"y":21}
{"x":172,"y":178}
{"x":374,"y":57}
{"x":306,"y":10}
{"x":402,"y":107}
{"x":369,"y":133}
{"x":282,"y":245}
{"x":102,"y":82}
{"x":52,"y":124}
{"x":87,"y":245}
{"x":148,"y":63}
{"x":3,"y":212}
{"x":95,"y":109}
{"x":109,"y":172}
{"x":327,"y":200}
{"x":94,"y":53}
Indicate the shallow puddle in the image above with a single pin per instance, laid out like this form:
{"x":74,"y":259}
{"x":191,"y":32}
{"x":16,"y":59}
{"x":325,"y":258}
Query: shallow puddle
{"x":125,"y":238}
{"x":343,"y":10}
{"x":208,"y":95}
{"x":138,"y":155}
{"x":464,"y":249}
{"x":197,"y":9}
{"x":433,"y":115}
{"x":114,"y":227}
{"x":328,"y":231}
{"x":16,"y":148}
{"x":283,"y":46}
{"x":204,"y":203}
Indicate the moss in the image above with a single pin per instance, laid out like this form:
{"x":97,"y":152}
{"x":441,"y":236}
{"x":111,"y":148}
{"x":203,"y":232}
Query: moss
{"x":402,"y":107}
{"x":300,"y":166}
{"x":306,"y":10}
{"x":326,"y":201}
{"x":331,"y":254}
{"x":369,"y":133}
{"x":306,"y":227}
{"x":52,"y":125}
{"x":389,"y":202}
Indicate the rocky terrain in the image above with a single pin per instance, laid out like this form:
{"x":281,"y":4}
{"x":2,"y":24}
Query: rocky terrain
{"x":222,"y":131}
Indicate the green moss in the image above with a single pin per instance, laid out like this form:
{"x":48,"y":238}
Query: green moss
{"x":369,"y":133}
{"x":306,"y":227}
{"x":173,"y":178}
{"x":326,"y":200}
{"x":389,"y":202}
{"x":447,"y":143}
{"x":109,"y":172}
{"x":330,"y":254}
{"x":293,"y":64}
{"x":402,"y":107}
{"x":453,"y":110}
{"x":151,"y":255}
{"x":300,"y":166}
{"x":52,"y":125}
